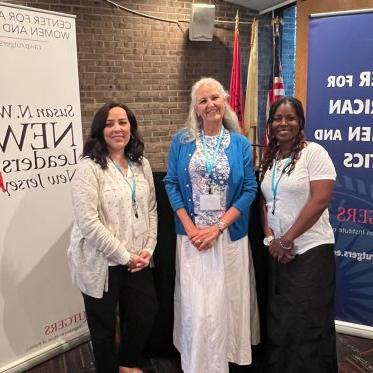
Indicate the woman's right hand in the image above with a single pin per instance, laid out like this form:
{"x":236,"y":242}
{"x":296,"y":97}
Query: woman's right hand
{"x":193,"y":234}
{"x":198,"y":239}
{"x":137,"y":263}
{"x":206,"y":237}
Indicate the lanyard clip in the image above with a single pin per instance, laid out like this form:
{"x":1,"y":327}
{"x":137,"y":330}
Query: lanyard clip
{"x":135,"y":208}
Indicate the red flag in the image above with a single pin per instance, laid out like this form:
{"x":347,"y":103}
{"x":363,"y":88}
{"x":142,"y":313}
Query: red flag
{"x":276,"y":88}
{"x":2,"y":187}
{"x":235,"y":88}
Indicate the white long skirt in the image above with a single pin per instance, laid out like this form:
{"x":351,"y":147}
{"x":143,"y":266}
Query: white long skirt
{"x":216,"y":311}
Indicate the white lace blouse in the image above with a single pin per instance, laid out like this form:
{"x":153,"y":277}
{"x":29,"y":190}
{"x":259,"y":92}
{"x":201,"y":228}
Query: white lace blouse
{"x":104,"y":228}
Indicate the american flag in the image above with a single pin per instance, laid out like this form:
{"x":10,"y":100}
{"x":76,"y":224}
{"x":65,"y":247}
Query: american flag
{"x":276,"y":88}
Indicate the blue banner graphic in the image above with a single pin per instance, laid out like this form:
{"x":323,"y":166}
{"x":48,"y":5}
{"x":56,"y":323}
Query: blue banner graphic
{"x":340,"y":118}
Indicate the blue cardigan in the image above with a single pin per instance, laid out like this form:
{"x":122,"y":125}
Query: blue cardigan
{"x":242,"y":185}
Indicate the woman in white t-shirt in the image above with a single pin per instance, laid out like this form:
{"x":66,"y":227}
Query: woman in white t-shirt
{"x":297,"y":182}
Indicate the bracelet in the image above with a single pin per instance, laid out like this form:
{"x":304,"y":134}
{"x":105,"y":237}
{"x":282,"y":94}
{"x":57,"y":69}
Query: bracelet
{"x":221,"y":226}
{"x":283,"y":246}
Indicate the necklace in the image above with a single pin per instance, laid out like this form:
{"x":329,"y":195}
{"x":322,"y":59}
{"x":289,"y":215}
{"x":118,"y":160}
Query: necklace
{"x":279,"y":163}
{"x":281,"y":159}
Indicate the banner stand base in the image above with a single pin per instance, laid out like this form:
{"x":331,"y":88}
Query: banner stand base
{"x":40,"y":356}
{"x":356,"y":330}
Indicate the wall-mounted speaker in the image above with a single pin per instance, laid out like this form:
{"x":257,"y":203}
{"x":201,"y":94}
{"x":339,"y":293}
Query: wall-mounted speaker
{"x":201,"y":27}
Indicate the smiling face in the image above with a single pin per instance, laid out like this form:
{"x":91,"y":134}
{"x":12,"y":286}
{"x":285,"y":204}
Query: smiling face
{"x":285,"y":124}
{"x":210,"y":104}
{"x":117,"y":131}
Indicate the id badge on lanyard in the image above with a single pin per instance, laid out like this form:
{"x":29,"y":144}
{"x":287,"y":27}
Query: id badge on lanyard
{"x":210,"y":202}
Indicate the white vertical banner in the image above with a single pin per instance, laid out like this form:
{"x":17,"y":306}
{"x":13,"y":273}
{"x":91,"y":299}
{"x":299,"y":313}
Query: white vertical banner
{"x":40,"y":143}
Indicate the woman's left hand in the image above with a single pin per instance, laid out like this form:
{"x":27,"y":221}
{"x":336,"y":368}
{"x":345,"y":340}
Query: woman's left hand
{"x":206,"y":238}
{"x":282,"y":252}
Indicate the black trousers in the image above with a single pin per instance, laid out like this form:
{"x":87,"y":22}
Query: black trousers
{"x":135,"y":297}
{"x":301,"y":331}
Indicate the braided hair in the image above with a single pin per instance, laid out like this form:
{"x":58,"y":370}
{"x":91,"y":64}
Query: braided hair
{"x":271,"y":151}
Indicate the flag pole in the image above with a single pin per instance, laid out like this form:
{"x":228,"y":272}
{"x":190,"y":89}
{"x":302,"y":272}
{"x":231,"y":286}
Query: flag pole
{"x":251,"y":100}
{"x":276,"y":88}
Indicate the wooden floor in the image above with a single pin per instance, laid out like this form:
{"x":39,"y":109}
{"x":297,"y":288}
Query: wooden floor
{"x":355,"y":355}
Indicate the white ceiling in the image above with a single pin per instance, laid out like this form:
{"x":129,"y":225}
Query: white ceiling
{"x":261,"y":5}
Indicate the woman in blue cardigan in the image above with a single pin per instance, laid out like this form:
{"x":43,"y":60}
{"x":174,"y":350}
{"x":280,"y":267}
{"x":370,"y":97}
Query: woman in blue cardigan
{"x":211,"y":184}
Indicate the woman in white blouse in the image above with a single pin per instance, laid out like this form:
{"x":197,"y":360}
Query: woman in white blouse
{"x":113,"y":239}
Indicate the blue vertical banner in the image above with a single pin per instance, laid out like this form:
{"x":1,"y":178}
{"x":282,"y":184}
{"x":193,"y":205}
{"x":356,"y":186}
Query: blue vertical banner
{"x":340,"y":118}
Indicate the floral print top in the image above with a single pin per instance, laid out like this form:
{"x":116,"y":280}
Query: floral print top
{"x":200,"y":178}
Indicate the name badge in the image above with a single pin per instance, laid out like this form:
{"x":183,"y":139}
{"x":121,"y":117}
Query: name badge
{"x":274,"y":223}
{"x":139,"y":227}
{"x":210,"y":202}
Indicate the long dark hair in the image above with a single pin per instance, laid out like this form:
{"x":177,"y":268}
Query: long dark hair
{"x":270,"y":152}
{"x":95,"y":146}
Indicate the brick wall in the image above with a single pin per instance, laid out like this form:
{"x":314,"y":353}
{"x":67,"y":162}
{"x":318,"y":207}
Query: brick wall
{"x":151,"y":64}
{"x":288,"y":49}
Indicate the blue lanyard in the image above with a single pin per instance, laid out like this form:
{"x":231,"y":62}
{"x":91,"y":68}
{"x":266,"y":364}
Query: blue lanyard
{"x":274,"y":182}
{"x":132,"y":187}
{"x":210,"y":162}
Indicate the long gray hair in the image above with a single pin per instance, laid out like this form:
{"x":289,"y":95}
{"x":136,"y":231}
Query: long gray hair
{"x":194,"y":125}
